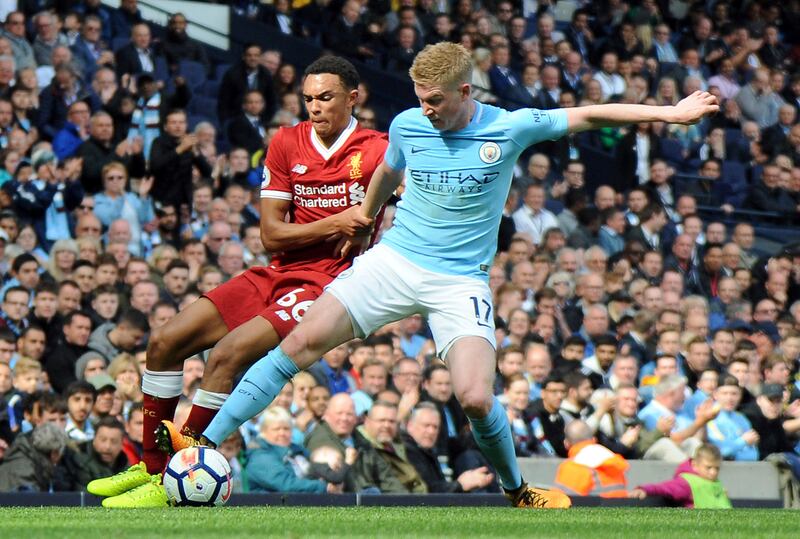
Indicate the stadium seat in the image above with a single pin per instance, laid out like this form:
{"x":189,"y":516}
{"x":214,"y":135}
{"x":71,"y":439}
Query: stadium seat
{"x":193,"y":119}
{"x":210,"y":88}
{"x":193,"y":72}
{"x":161,"y":69}
{"x":202,"y":105}
{"x":220,"y":70}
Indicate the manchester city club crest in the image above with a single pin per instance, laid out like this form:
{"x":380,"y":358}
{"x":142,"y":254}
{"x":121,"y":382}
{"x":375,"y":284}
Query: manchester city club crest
{"x":490,"y":152}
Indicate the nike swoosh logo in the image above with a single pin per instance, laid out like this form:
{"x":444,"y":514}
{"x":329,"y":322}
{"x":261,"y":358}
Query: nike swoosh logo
{"x":417,"y":150}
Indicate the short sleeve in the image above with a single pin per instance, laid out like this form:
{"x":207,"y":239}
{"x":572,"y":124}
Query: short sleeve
{"x":275,"y":180}
{"x":529,"y":126}
{"x":394,"y":157}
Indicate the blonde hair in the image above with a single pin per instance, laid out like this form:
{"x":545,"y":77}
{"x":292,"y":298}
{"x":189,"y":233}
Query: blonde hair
{"x":273,"y":415}
{"x":304,"y":376}
{"x":25,"y":365}
{"x":119,"y":363}
{"x":442,"y":64}
{"x":61,"y":245}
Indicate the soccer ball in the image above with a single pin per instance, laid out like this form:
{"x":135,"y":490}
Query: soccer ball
{"x":198,"y":476}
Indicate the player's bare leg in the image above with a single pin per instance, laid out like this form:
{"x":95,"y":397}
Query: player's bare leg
{"x":471,"y":361}
{"x":196,"y":328}
{"x":325,"y":326}
{"x":235,"y":352}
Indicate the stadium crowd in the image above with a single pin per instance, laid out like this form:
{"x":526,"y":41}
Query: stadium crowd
{"x":619,"y":305}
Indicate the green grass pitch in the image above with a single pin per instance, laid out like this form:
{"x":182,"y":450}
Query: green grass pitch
{"x":306,"y":522}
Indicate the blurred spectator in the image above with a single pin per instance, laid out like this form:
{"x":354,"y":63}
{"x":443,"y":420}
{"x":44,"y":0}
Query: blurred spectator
{"x":420,"y":442}
{"x":103,"y":456}
{"x":248,"y":74}
{"x":125,"y":17}
{"x":178,"y":46}
{"x":99,"y":150}
{"x":114,"y":202}
{"x":61,"y":362}
{"x":68,"y":140}
{"x":14,"y":31}
{"x":276,"y":465}
{"x":111,"y":339}
{"x":47,"y":37}
{"x":378,"y":434}
{"x":65,"y":89}
{"x":171,"y":160}
{"x":89,"y":50}
{"x":138,"y":56}
{"x":29,"y":463}
{"x":247,"y":129}
{"x":347,"y":33}
{"x":730,"y":430}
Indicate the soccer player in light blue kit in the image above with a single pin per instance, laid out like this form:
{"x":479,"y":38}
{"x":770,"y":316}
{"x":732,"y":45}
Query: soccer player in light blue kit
{"x":456,"y":155}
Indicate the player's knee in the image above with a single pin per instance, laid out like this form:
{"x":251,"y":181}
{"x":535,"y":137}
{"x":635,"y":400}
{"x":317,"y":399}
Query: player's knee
{"x":158,"y":350}
{"x":222,"y":360}
{"x":475,"y":401}
{"x":302,"y":348}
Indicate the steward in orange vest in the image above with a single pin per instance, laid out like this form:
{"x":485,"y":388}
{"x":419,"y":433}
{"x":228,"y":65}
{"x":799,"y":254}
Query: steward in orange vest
{"x":591,"y":469}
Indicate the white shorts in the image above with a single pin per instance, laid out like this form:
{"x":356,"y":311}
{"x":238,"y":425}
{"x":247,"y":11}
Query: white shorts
{"x":383,"y":286}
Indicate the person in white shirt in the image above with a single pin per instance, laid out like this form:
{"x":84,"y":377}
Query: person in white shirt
{"x":532,"y":219}
{"x":611,"y":83}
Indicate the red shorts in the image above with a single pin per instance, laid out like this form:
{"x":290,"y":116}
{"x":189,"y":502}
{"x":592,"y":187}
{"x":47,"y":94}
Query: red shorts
{"x":280,"y":297}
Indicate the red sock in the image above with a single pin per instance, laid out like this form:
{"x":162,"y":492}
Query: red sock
{"x":155,"y":410}
{"x":199,"y":418}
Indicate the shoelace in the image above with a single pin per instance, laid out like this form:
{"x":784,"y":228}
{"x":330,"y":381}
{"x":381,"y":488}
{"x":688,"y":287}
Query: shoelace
{"x":125,"y":476}
{"x":142,"y":490}
{"x":532,"y":498}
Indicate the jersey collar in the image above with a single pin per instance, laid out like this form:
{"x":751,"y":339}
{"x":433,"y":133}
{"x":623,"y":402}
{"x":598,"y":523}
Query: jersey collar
{"x":327,"y":153}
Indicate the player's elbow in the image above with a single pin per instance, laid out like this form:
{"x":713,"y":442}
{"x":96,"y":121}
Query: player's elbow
{"x":270,"y":238}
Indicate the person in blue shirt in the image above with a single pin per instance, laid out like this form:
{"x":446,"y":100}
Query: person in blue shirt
{"x":457,"y":157}
{"x":731,"y":431}
{"x":707,"y":383}
{"x":668,"y":400}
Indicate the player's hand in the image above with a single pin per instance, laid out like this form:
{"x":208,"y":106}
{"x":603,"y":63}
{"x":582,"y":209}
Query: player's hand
{"x":354,"y":245}
{"x":637,"y":494}
{"x":694,"y":108}
{"x":335,"y":488}
{"x":352,"y":222}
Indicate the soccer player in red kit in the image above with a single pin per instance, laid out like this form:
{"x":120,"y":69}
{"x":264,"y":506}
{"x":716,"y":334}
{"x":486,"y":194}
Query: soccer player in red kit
{"x":316,"y":173}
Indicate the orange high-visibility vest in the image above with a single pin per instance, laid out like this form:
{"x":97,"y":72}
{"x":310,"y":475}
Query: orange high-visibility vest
{"x":593,"y":470}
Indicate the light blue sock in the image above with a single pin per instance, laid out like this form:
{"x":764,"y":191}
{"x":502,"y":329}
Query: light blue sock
{"x":493,"y":434}
{"x":258,"y":388}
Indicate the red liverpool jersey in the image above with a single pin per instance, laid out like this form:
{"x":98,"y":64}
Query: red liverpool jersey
{"x":320,"y":182}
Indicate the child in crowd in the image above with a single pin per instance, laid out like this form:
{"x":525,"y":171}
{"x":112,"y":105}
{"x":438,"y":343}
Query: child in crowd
{"x":27,"y":374}
{"x":695,"y":483}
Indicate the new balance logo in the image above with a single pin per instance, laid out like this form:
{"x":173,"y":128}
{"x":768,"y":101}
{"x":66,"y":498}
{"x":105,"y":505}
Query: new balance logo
{"x":299,"y":169}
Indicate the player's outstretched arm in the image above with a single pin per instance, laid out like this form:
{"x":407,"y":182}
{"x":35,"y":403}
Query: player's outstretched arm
{"x":385,"y":180}
{"x":689,"y":110}
{"x":278,"y":235}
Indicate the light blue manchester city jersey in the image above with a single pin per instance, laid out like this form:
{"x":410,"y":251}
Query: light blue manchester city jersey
{"x":457,"y":183}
